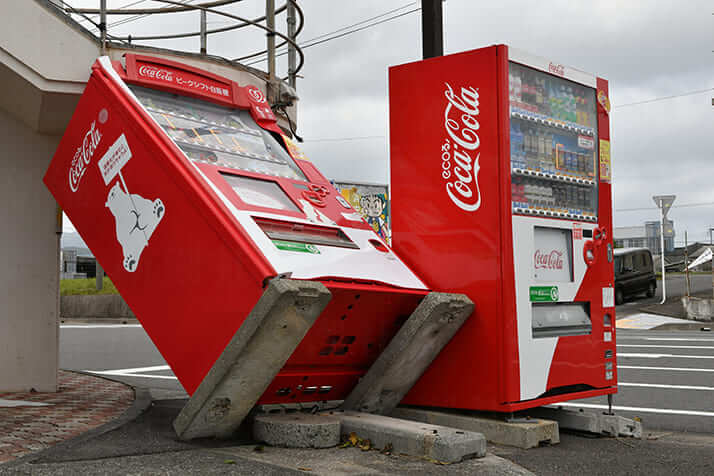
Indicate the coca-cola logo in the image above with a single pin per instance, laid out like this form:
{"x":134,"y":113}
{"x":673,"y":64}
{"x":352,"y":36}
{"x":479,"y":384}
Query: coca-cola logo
{"x":83,"y":156}
{"x":156,"y":73}
{"x":459,"y":165}
{"x":558,"y":69}
{"x":549,"y":259}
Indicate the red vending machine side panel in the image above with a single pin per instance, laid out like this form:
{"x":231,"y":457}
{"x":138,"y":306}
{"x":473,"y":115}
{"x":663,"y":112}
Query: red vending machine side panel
{"x":445,"y":179}
{"x":114,"y":177}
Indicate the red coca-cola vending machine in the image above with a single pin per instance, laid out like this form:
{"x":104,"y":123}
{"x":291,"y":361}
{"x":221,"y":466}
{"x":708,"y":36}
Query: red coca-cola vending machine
{"x":191,"y":198}
{"x":500,"y":179}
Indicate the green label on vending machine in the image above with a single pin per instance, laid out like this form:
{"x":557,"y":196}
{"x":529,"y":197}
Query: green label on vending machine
{"x":296,"y":246}
{"x":544,"y":293}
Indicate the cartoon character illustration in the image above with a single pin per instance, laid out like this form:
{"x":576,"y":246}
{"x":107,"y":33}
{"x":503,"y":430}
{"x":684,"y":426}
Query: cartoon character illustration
{"x":136,"y":219}
{"x":373,"y":210}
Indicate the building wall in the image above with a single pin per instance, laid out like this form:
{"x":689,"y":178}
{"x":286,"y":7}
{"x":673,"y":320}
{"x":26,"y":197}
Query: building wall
{"x":29,"y":282}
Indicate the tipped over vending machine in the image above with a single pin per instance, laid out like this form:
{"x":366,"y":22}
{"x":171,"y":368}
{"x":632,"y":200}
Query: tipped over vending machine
{"x":500,"y":179}
{"x":191,"y":197}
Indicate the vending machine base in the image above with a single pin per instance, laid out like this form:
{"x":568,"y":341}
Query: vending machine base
{"x":410,"y":352}
{"x":249,"y":363}
{"x":274,"y":329}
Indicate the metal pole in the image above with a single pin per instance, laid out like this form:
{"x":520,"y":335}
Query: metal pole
{"x":432,"y":29}
{"x":711,"y":247}
{"x":103,"y":26}
{"x":686,"y":261}
{"x":291,"y":49}
{"x":203,"y":32}
{"x":270,"y":24}
{"x":661,"y":235}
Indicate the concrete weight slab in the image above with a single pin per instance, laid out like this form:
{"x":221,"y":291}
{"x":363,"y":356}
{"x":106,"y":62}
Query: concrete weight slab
{"x":297,"y":430}
{"x":591,"y":422}
{"x":256,"y":353}
{"x":410,"y":352}
{"x":525,"y":435}
{"x":448,"y":445}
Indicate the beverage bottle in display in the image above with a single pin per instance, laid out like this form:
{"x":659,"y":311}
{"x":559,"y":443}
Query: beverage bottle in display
{"x":516,"y":144}
{"x":517,"y":88}
{"x":541,"y":151}
{"x":548,"y":138}
{"x":539,"y":95}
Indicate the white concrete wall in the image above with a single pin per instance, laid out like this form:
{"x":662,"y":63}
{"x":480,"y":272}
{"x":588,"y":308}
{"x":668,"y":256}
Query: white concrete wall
{"x":29,"y":261}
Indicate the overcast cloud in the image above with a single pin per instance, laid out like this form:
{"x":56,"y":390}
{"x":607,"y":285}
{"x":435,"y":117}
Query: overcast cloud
{"x":646,"y":49}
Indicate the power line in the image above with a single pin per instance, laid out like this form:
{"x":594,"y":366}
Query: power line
{"x":342,"y":139}
{"x":325,"y":38}
{"x":683,"y":205}
{"x":664,"y":98}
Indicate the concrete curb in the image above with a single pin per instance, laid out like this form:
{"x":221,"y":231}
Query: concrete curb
{"x":530,"y":434}
{"x":435,"y":442}
{"x":410,"y":352}
{"x":259,"y":349}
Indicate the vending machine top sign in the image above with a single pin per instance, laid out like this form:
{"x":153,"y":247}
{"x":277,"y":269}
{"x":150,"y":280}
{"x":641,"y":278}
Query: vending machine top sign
{"x":190,"y":196}
{"x":500,"y":180}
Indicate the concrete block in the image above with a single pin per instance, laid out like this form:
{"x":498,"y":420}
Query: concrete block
{"x":591,"y":422}
{"x":410,"y":352}
{"x":440,"y":443}
{"x":297,"y":430}
{"x":698,"y":309}
{"x":256,"y":353}
{"x":521,"y":435}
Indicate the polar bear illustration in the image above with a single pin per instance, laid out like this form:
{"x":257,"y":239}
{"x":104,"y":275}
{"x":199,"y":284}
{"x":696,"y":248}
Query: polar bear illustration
{"x":136,"y":219}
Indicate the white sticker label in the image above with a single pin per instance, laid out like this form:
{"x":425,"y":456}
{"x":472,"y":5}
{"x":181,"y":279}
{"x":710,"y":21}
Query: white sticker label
{"x":607,"y":337}
{"x":608,"y":297}
{"x":608,"y":375}
{"x":116,"y":157}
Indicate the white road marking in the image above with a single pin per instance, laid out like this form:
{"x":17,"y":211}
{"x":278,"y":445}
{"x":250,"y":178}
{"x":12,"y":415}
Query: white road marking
{"x":155,"y":368}
{"x":21,"y":403}
{"x":662,"y":385}
{"x":114,"y":373}
{"x":665,"y":411}
{"x":676,"y":369}
{"x":663,"y":356}
{"x":684,"y":339}
{"x":668,"y":346}
{"x":98,"y":326}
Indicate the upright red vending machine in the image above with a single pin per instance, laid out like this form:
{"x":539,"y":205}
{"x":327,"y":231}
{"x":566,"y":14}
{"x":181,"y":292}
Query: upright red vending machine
{"x":183,"y":186}
{"x":500,"y":177}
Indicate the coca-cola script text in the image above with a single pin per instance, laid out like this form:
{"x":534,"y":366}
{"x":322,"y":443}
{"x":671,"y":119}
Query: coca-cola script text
{"x":461,"y":146}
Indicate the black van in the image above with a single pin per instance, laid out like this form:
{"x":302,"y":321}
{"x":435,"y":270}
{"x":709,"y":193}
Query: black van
{"x":634,"y":273}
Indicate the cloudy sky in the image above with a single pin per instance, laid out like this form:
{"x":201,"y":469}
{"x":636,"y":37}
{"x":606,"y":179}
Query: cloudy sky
{"x":647,"y":49}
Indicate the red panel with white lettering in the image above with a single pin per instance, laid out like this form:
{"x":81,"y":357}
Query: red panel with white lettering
{"x":446,"y":209}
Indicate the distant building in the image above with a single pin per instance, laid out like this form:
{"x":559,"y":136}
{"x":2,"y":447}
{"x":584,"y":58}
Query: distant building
{"x":645,"y":236}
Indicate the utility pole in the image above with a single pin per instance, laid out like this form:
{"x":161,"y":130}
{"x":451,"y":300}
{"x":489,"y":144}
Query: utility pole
{"x":664,"y":202}
{"x":270,"y":24}
{"x":686,"y":261}
{"x":432,"y":29}
{"x":291,"y":49}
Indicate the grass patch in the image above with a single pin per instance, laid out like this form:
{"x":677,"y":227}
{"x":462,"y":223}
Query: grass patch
{"x":71,"y":287}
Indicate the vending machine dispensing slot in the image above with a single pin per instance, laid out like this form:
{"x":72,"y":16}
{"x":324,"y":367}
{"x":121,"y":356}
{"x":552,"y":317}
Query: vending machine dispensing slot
{"x":303,"y":233}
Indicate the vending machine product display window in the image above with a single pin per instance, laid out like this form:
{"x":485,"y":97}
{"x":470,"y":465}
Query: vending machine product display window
{"x":500,"y":181}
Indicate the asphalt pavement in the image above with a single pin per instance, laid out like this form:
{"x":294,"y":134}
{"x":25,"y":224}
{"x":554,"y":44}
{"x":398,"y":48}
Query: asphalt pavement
{"x":666,"y":378}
